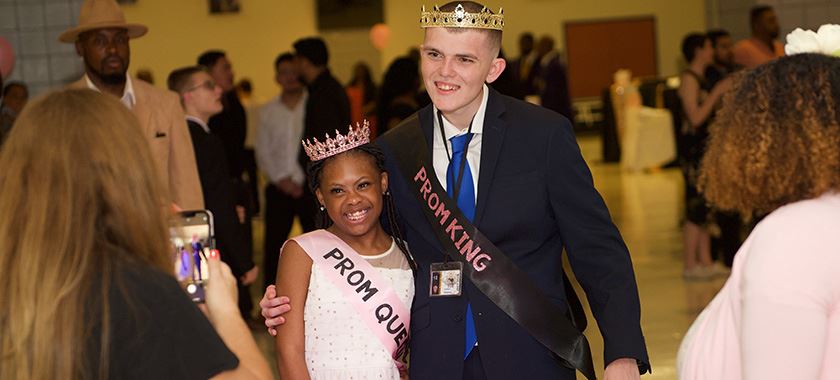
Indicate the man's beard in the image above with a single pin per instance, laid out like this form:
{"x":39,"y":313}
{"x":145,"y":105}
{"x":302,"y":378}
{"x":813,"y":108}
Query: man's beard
{"x":112,"y":78}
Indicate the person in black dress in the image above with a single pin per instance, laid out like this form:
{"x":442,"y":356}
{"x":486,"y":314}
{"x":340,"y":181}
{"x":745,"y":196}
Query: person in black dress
{"x":699,"y":101}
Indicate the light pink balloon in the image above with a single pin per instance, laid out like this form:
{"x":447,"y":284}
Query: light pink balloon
{"x":7,"y":57}
{"x":380,"y":34}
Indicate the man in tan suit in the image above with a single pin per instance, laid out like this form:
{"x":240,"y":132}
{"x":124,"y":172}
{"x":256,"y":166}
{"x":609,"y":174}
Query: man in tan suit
{"x":101,"y":39}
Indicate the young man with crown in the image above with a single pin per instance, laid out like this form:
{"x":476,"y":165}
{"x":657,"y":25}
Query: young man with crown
{"x":488,"y":232}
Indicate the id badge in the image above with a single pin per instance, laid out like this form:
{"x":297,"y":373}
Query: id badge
{"x":446,"y":279}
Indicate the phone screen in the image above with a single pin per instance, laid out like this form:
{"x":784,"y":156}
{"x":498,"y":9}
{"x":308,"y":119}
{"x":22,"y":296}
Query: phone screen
{"x":191,"y":234}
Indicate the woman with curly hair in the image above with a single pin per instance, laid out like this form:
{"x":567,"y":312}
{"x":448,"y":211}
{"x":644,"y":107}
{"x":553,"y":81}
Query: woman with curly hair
{"x":775,"y":148}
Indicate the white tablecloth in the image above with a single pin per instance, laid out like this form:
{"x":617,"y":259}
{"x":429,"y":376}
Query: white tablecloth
{"x":648,"y":139}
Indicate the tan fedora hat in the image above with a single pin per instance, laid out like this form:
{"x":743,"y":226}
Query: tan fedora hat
{"x":100,"y":14}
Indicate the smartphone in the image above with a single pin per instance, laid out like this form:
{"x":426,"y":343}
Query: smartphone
{"x":192,"y":237}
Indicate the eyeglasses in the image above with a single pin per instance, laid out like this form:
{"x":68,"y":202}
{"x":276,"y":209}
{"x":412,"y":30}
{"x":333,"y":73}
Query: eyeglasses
{"x":209,"y":85}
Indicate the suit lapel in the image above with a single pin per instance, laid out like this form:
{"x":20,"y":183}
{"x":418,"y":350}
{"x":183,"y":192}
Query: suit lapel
{"x":427,"y":123}
{"x":491,"y":144}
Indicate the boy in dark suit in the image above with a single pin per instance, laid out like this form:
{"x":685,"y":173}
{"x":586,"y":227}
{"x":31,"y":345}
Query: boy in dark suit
{"x":201,"y":98}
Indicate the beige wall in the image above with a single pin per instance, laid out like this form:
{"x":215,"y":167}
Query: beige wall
{"x":180,"y":30}
{"x":674,"y":20}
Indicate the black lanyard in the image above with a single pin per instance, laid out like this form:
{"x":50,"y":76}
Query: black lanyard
{"x":460,"y":179}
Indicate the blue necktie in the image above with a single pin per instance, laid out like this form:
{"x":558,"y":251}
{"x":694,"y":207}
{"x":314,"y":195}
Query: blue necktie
{"x":466,"y":202}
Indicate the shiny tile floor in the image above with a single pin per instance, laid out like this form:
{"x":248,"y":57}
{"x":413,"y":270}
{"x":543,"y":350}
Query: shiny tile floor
{"x":647,"y":208}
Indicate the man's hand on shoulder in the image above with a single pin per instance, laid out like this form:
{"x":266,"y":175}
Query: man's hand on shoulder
{"x":622,"y":369}
{"x":272,"y":309}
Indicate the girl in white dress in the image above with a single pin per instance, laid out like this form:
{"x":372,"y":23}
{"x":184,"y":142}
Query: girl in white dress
{"x":325,"y":337}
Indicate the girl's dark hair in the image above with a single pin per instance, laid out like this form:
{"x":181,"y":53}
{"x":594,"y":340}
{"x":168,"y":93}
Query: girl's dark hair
{"x":313,"y":173}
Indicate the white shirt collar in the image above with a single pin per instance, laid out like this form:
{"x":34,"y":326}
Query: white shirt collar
{"x":199,"y":122}
{"x":127,"y":98}
{"x":450,"y":130}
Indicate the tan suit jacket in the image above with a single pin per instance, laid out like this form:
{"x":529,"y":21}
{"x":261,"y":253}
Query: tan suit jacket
{"x":165,"y":128}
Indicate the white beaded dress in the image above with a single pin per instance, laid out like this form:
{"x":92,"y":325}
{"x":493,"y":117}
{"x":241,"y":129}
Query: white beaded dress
{"x":339,"y":346}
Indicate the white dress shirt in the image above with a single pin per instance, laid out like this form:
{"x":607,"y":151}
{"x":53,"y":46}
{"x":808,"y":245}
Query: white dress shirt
{"x":440,"y":157}
{"x":127,"y":98}
{"x":199,"y":122}
{"x":278,"y":140}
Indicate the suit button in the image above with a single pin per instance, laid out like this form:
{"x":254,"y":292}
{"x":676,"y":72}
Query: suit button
{"x":480,"y":314}
{"x":458,"y":318}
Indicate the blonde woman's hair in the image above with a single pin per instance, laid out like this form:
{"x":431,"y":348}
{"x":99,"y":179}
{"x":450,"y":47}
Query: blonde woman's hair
{"x":78,"y":195}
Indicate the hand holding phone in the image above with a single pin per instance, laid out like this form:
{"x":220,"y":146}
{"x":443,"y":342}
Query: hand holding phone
{"x":222,"y":294}
{"x":191,"y":234}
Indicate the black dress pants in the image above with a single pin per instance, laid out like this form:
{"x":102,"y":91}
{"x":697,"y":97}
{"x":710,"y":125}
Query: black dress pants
{"x":250,"y":163}
{"x":279,"y":214}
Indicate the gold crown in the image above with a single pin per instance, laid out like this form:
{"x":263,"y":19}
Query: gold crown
{"x":460,"y":18}
{"x":318,"y":151}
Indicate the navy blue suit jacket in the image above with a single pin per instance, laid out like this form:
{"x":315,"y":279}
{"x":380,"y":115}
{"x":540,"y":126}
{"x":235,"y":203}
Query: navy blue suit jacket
{"x":535,"y":197}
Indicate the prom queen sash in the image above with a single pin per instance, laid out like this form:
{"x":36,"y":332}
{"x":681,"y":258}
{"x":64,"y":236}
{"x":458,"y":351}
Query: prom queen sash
{"x":372,"y":296}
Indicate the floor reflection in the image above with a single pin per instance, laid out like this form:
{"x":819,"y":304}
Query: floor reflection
{"x":647,"y":207}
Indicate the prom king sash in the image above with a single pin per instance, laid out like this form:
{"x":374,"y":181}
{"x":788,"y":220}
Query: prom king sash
{"x":371,"y":295}
{"x":490,"y":270}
